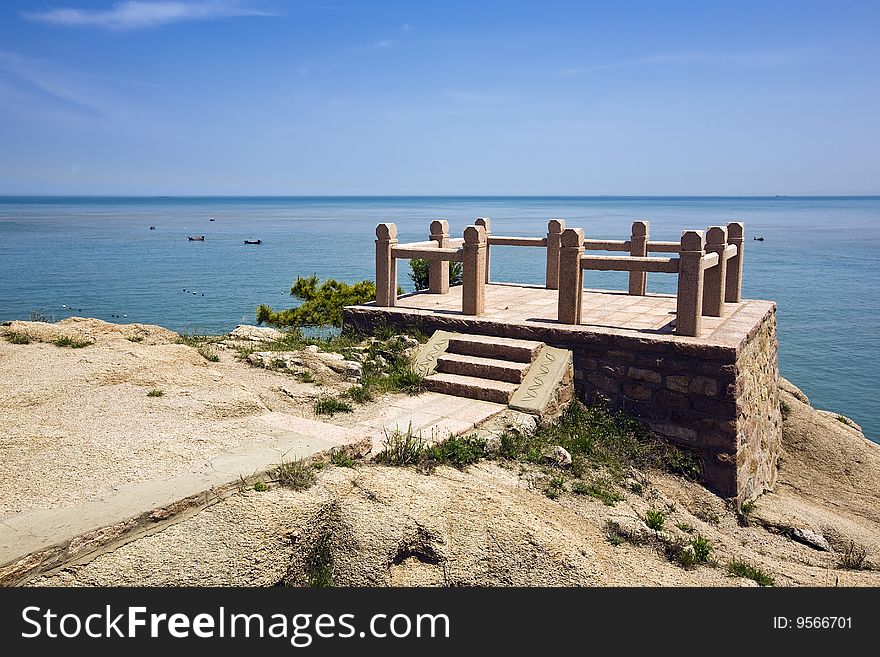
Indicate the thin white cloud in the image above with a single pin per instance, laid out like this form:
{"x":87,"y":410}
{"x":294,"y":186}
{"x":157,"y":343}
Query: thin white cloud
{"x":41,"y":85}
{"x":139,"y":14}
{"x":384,"y":43}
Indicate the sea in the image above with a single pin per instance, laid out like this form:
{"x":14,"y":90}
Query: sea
{"x":98,"y":257}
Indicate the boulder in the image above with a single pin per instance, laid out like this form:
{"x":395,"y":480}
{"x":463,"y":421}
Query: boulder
{"x":256,"y":333}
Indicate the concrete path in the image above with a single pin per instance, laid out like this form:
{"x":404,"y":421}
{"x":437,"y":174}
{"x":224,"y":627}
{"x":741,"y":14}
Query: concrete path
{"x":42,"y":539}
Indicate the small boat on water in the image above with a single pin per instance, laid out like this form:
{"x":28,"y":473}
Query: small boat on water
{"x":253,"y":241}
{"x":758,"y":239}
{"x":196,"y":238}
{"x":211,"y":219}
{"x":152,"y":228}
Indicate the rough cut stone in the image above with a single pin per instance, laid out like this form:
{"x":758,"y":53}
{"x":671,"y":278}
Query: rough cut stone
{"x":649,"y":376}
{"x":637,"y":391}
{"x":810,"y":538}
{"x":559,"y":455}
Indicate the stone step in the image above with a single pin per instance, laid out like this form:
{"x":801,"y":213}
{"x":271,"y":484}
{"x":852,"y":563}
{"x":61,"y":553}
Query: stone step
{"x":483,"y":368}
{"x":472,"y":387}
{"x":520,"y":351}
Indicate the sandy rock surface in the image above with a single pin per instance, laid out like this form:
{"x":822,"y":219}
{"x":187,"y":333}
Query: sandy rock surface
{"x":78,"y":423}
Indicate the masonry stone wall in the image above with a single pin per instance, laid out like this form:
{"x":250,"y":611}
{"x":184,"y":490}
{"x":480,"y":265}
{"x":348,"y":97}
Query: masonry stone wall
{"x":719,"y":400}
{"x":759,"y":416}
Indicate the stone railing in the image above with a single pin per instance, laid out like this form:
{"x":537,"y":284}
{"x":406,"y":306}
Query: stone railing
{"x":709,"y":266}
{"x":706,"y":280}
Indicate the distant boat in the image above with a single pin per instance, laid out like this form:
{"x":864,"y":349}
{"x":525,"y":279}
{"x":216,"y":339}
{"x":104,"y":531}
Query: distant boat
{"x":253,"y":241}
{"x":758,"y":239}
{"x":211,"y":219}
{"x":152,"y":228}
{"x":197,"y":238}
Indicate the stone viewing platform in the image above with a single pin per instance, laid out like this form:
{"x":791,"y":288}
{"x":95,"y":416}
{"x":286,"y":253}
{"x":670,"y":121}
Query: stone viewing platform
{"x":699,"y":367}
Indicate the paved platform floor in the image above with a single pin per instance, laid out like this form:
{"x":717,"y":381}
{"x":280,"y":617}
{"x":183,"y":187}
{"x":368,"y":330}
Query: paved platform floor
{"x":604,"y":311}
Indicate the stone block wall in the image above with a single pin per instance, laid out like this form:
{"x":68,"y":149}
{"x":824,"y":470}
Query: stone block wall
{"x":720,"y":402}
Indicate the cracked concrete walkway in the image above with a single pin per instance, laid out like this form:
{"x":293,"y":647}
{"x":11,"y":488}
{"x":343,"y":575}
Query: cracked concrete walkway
{"x":37,"y":540}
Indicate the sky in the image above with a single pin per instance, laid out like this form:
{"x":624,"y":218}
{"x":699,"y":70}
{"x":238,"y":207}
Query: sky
{"x":314,"y":97}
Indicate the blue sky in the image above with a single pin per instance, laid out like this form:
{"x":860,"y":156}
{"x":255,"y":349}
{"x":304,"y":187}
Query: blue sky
{"x":342,"y":97}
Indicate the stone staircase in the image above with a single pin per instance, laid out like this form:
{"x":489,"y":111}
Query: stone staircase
{"x":524,"y":374}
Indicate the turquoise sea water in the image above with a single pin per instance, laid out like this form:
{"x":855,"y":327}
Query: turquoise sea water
{"x":96,"y":257}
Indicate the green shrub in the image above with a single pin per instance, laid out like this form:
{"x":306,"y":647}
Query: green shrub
{"x":418,"y":273}
{"x":691,"y":553}
{"x":155,"y":393}
{"x":17,"y":338}
{"x":655,"y":519}
{"x":321,"y":304}
{"x":737,"y":568}
{"x":72,"y":343}
{"x":260,"y":487}
{"x":331,"y":406}
{"x":360,"y":394}
{"x":555,"y":488}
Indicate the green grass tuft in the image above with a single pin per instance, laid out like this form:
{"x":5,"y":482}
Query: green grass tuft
{"x":601,"y":489}
{"x":457,"y":451}
{"x":737,"y":568}
{"x":260,"y":487}
{"x":331,"y":406}
{"x":72,"y":343}
{"x":655,"y":519}
{"x":402,"y":448}
{"x":297,"y":474}
{"x":155,"y":392}
{"x":341,"y":458}
{"x":17,"y":338}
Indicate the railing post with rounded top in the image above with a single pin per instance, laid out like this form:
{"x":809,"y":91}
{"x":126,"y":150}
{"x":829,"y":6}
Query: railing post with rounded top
{"x":733,"y":285}
{"x":438,"y":270}
{"x":689,"y":307}
{"x":715,"y":277}
{"x":486,"y":223}
{"x":571,"y":280}
{"x":554,"y":237}
{"x":386,"y":265}
{"x":638,"y":246}
{"x":473,"y":289}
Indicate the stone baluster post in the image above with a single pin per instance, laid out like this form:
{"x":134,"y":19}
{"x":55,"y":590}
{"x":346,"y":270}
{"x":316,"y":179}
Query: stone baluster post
{"x":715,"y":277}
{"x":571,"y":277}
{"x":438,"y":270}
{"x":554,"y":241}
{"x":638,"y":246}
{"x":689,"y":309}
{"x":486,"y":223}
{"x":733,"y":285}
{"x":473,"y":289}
{"x":386,"y":265}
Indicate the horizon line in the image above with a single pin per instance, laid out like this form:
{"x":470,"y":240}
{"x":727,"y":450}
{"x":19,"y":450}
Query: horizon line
{"x":306,"y":196}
